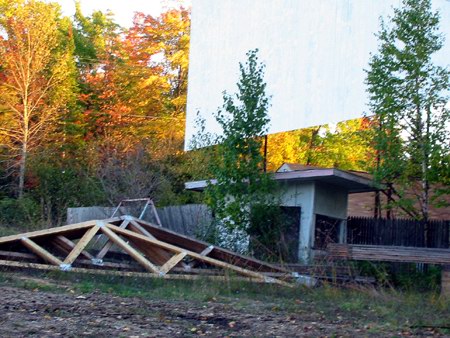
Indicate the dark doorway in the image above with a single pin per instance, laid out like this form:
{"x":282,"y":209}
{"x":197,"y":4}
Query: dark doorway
{"x":274,"y":233}
{"x":326,"y":231}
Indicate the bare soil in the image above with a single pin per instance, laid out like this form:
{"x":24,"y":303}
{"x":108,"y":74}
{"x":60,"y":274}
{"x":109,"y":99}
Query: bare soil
{"x":37,"y":313}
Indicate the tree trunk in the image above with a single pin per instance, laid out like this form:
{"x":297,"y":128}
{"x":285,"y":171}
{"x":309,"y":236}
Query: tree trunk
{"x":311,"y":145}
{"x":22,"y":168}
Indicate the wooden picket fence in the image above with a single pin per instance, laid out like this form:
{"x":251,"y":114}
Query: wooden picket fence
{"x":398,"y":232}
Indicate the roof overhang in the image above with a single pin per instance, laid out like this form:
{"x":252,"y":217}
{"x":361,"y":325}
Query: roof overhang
{"x":346,"y":180}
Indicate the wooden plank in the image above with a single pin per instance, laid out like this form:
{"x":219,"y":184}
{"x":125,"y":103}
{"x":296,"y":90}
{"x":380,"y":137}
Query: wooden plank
{"x":108,"y":244}
{"x":68,"y":246}
{"x":129,"y":273}
{"x":140,"y":229}
{"x":18,"y":255}
{"x":390,"y":253}
{"x":40,"y":251}
{"x":172,"y":262}
{"x":81,"y":245}
{"x":215,"y":262}
{"x":107,"y":230}
{"x":46,"y":232}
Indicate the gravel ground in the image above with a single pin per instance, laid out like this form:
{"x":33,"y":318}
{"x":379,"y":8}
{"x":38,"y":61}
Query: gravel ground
{"x":36,"y":313}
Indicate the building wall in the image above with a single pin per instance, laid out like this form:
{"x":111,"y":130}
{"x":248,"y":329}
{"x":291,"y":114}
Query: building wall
{"x":313,"y":198}
{"x":330,"y":201}
{"x":301,"y":195}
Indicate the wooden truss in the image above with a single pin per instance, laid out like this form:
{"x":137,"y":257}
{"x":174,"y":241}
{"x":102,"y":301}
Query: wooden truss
{"x":140,"y":249}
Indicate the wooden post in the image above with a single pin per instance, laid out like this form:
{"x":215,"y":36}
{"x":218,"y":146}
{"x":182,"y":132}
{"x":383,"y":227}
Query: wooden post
{"x":445,"y":281}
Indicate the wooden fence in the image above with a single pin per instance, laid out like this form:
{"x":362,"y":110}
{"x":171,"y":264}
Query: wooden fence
{"x":191,"y":219}
{"x":398,"y":232}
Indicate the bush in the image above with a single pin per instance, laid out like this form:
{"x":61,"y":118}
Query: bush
{"x":60,"y":188}
{"x":21,"y":213}
{"x":269,"y":231}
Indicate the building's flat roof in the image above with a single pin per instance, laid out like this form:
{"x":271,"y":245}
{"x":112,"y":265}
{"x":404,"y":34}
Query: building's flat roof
{"x":347,"y":180}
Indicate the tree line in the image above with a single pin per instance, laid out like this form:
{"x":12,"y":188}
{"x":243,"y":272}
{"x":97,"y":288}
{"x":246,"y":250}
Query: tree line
{"x":91,"y":113}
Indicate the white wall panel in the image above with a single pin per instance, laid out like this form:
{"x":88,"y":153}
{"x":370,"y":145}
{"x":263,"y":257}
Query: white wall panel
{"x":315,"y":52}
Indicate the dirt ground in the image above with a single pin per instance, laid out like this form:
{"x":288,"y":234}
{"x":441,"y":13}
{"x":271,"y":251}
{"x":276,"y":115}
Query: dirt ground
{"x":36,"y":313}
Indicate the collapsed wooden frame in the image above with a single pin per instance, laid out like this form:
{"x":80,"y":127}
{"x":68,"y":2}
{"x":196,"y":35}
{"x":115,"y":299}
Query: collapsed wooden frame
{"x":145,"y":250}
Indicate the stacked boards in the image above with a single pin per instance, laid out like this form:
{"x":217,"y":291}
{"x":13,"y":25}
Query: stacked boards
{"x":379,"y":253}
{"x":382,"y":253}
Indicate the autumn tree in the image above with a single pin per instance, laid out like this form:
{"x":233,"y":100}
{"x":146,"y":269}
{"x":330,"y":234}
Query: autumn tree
{"x":35,"y":73}
{"x":133,"y":86}
{"x":134,"y":82}
{"x":344,"y":145}
{"x":158,"y":54}
{"x":407,"y":96}
{"x":98,"y":46}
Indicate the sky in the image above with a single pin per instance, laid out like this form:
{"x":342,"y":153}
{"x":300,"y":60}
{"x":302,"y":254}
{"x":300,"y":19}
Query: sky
{"x":123,"y":9}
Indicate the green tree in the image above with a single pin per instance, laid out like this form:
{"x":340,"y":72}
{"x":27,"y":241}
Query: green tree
{"x":407,"y":96}
{"x":36,"y":77}
{"x":238,"y":165}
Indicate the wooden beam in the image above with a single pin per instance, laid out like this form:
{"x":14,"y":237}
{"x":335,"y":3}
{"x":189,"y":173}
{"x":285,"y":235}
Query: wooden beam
{"x":68,"y":246}
{"x":40,"y":251}
{"x":172,"y":262}
{"x":195,"y":255}
{"x":46,"y":232}
{"x":108,"y":244}
{"x":140,"y":229}
{"x":130,"y":273}
{"x":127,"y":248}
{"x":81,"y":245}
{"x":18,"y":255}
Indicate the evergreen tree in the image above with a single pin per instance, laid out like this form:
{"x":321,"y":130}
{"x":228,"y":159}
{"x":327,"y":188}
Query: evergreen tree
{"x":407,"y":96}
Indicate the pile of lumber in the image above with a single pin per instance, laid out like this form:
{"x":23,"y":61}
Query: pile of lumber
{"x":141,"y":249}
{"x":390,"y":253}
